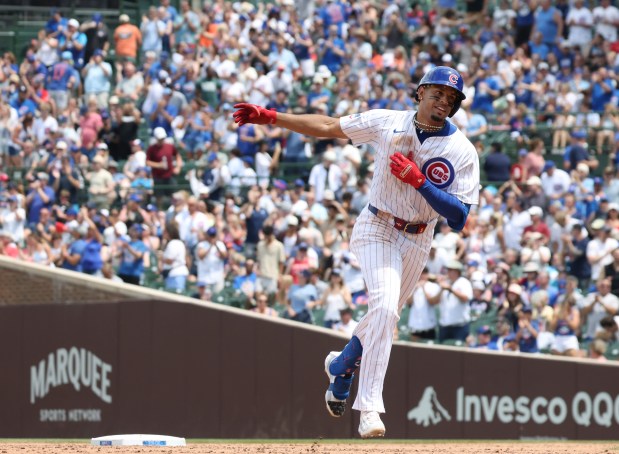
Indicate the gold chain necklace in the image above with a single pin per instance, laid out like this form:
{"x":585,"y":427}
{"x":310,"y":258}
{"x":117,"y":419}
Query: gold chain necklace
{"x":427,"y":128}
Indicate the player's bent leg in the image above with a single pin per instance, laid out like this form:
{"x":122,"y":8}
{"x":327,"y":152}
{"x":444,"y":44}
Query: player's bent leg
{"x":340,"y":368}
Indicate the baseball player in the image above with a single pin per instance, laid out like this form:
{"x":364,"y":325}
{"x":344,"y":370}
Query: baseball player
{"x":424,"y":168}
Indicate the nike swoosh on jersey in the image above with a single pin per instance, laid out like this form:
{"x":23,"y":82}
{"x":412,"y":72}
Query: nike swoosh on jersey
{"x":395,"y":131}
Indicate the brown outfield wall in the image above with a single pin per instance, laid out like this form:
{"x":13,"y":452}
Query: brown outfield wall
{"x":85,"y":370}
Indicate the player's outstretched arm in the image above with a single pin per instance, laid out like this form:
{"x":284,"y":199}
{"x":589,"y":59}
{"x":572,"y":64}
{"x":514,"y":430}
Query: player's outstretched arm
{"x":307,"y":124}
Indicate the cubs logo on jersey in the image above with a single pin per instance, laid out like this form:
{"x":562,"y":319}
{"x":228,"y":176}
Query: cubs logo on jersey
{"x":439,"y":172}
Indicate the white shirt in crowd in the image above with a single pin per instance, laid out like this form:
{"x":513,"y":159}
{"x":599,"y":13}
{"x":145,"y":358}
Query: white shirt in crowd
{"x":452,"y":310}
{"x":422,"y":316}
{"x":606,"y":20}
{"x":580,"y":23}
{"x":321,"y":179}
{"x":347,"y":328}
{"x":597,"y":248}
{"x":598,"y":313}
{"x":514,"y":225}
{"x":211,"y":267}
{"x":557,"y":184}
{"x":176,"y":251}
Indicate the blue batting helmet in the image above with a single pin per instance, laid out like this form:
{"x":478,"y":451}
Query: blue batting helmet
{"x":444,"y":75}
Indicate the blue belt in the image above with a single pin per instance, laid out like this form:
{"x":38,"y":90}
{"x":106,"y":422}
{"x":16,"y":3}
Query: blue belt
{"x":401,"y":224}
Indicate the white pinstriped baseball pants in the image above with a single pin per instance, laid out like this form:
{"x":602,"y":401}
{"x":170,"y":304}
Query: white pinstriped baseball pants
{"x":391,"y":263}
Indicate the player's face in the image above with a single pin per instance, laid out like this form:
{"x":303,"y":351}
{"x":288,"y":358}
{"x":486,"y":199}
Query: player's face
{"x":437,"y":102}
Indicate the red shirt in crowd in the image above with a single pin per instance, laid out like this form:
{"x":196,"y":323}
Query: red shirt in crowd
{"x":164,"y":152}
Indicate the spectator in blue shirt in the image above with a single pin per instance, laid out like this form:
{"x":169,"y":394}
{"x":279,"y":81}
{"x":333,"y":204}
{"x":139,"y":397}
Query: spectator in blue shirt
{"x":60,"y":80}
{"x":486,"y":90}
{"x":40,"y":195}
{"x":132,"y":252}
{"x":74,"y":41}
{"x":164,"y":113}
{"x":497,"y":164}
{"x":56,"y":24}
{"x":527,"y":330}
{"x":332,"y":50}
{"x":23,"y":104}
{"x":301,"y":297}
{"x":97,"y":74}
{"x":72,"y":253}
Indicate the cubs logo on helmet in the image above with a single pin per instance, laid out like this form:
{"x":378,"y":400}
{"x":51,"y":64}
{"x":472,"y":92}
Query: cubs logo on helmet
{"x":444,"y":75}
{"x":439,"y":172}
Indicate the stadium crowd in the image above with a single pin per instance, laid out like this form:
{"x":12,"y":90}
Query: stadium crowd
{"x":120,"y":159}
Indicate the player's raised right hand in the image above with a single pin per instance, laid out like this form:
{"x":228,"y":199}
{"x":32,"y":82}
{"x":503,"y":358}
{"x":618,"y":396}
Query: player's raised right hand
{"x":251,"y":113}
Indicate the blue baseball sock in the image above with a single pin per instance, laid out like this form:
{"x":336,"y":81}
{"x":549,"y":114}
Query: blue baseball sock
{"x":348,"y":361}
{"x":344,"y":367}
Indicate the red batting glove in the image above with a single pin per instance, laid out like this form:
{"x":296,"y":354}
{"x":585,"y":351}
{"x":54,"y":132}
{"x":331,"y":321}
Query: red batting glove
{"x":251,"y":113}
{"x":406,"y":170}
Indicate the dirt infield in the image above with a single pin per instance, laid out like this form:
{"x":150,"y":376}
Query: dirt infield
{"x":320,"y":447}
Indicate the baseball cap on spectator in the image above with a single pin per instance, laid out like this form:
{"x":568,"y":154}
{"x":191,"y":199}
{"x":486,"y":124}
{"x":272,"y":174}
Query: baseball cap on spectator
{"x":67,"y":55}
{"x":212,"y":231}
{"x":484,"y":66}
{"x":535,"y":211}
{"x":98,"y":160}
{"x":292,"y":220}
{"x":248,"y":160}
{"x":579,"y":134}
{"x":112,"y":164}
{"x":447,"y":58}
{"x":424,"y":56}
{"x":598,"y":224}
{"x":510,"y":97}
{"x":98,"y":53}
{"x":137,"y":143}
{"x":549,"y":165}
{"x":102,"y":146}
{"x":613,"y":206}
{"x":160,"y":133}
{"x":211,"y":157}
{"x":534,"y":181}
{"x":162,"y":75}
{"x":123,"y":18}
{"x":71,"y":211}
{"x":530,"y":267}
{"x":306,"y":274}
{"x":280,"y":184}
{"x":329,"y":156}
{"x":515,"y":289}
{"x":299,"y":183}
{"x":226,"y":106}
{"x":114,"y":100}
{"x":61,"y":145}
{"x":462,"y":68}
{"x":43,"y":176}
{"x":527,"y":310}
{"x":23,"y":88}
{"x":543,"y":66}
{"x":340,"y":218}
{"x":478,"y":285}
{"x":104,"y":212}
{"x":303,"y":246}
{"x":598,"y":180}
{"x":151,"y":207}
{"x":522,"y":152}
{"x":73,"y":23}
{"x":484,"y":329}
{"x":328,"y":196}
{"x":454,"y":265}
{"x":135,"y":198}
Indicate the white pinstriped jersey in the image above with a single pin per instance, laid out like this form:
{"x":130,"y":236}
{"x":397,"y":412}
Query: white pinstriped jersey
{"x":449,"y":161}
